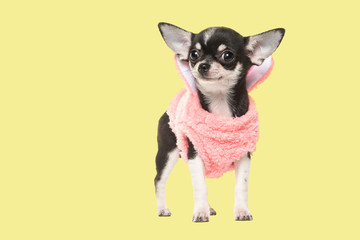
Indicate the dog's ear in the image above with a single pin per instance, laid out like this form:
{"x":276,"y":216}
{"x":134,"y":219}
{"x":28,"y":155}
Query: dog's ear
{"x":178,"y":40}
{"x":261,"y":46}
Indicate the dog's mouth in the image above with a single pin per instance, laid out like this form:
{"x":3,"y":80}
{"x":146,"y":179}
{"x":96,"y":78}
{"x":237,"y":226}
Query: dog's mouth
{"x":211,"y":78}
{"x":207,"y":76}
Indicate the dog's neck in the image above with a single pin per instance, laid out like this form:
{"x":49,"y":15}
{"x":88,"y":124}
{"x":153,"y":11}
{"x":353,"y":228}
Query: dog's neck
{"x":223,"y":98}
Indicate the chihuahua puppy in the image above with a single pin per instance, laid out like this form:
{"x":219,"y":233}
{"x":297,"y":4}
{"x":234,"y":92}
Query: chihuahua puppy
{"x":219,"y":59}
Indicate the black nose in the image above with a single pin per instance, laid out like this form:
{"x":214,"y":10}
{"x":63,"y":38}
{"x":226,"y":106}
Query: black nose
{"x":204,"y":67}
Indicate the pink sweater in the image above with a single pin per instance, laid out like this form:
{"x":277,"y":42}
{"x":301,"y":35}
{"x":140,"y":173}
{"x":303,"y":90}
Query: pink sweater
{"x":219,"y":140}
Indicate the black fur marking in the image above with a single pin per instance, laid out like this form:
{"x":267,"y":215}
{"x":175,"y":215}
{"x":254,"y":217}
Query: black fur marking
{"x":233,"y":40}
{"x":212,"y":212}
{"x":166,"y":143}
{"x":191,"y":150}
{"x":239,"y":102}
{"x":204,"y":104}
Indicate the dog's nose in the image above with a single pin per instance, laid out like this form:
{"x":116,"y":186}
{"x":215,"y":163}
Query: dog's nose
{"x":204,"y":68}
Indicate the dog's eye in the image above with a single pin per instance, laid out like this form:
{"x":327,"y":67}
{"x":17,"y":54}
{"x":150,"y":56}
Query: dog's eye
{"x":227,"y":56}
{"x":194,"y":54}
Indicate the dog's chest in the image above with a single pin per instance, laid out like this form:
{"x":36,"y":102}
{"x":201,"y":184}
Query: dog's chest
{"x":218,"y":104}
{"x":216,"y":96}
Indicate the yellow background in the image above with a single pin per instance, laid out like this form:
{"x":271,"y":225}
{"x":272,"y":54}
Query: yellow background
{"x":83,"y":83}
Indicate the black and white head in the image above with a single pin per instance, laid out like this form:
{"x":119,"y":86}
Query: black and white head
{"x":220,"y":53}
{"x":219,"y":59}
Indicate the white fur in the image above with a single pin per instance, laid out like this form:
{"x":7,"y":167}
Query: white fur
{"x":198,"y":46}
{"x":216,"y":72}
{"x":216,"y":89}
{"x":242,"y":169}
{"x":222,"y":47}
{"x":219,"y":105}
{"x":201,"y":204}
{"x":173,"y":157}
{"x":208,"y":33}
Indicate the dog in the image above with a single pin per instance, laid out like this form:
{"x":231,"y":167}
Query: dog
{"x":219,"y":59}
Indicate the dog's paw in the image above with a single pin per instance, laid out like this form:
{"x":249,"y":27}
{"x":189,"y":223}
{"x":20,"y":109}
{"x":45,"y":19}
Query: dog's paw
{"x":165,"y":212}
{"x":212,"y":212}
{"x":201,"y":214}
{"x":243,"y":215}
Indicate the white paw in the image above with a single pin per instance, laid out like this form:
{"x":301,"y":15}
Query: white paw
{"x":243,"y":214}
{"x":201,"y":214}
{"x":164,"y":212}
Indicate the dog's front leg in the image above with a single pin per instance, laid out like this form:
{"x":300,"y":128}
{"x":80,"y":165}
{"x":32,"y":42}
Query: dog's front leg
{"x":242,"y":169}
{"x":201,"y":207}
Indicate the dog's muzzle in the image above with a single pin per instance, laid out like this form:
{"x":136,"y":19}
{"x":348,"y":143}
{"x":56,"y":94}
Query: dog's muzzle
{"x":204,"y":69}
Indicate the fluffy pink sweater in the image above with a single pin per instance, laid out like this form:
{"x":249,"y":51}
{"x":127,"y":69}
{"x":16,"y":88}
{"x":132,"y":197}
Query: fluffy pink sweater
{"x":219,"y":140}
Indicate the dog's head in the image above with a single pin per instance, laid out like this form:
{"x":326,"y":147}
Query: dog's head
{"x":220,"y":54}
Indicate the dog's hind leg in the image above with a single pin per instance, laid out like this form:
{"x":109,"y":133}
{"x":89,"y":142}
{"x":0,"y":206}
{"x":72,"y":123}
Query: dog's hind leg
{"x":242,"y":169}
{"x":166,"y":158}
